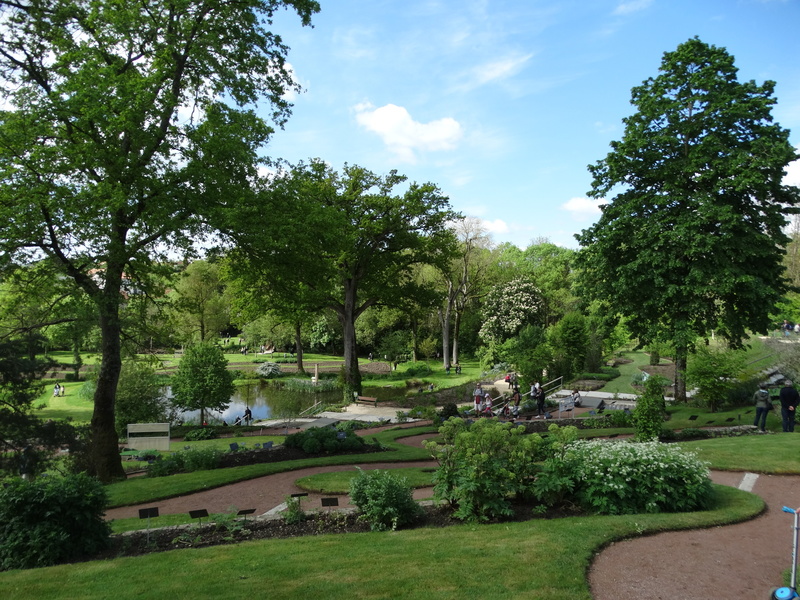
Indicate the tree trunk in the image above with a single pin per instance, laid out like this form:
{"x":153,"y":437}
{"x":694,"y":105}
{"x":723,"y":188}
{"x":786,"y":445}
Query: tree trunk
{"x":456,"y":330}
{"x":681,"y":353}
{"x":347,"y":318}
{"x":105,"y":462}
{"x":298,"y":345}
{"x":444,"y":321}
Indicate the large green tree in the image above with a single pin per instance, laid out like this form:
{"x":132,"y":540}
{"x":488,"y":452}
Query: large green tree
{"x":346,"y":242}
{"x":125,"y":124}
{"x":203,"y":381}
{"x":199,"y":306}
{"x":693,"y":237}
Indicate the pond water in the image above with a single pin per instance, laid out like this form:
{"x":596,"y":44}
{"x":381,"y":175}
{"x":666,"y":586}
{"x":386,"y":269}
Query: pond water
{"x":269,"y":402}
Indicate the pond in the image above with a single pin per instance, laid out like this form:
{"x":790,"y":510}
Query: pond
{"x":270,"y":402}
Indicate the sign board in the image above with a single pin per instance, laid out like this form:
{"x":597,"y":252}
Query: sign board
{"x":148,"y":436}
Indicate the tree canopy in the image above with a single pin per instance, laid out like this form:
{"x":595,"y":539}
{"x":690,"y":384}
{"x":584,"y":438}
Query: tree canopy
{"x":692,"y":237}
{"x":346,"y":242}
{"x":202,"y":381}
{"x":127,"y":126}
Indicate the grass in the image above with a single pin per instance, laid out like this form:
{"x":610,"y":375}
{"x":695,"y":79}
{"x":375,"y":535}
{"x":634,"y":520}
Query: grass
{"x":70,"y":405}
{"x":777,"y":454}
{"x":338,"y":482}
{"x":535,"y":559}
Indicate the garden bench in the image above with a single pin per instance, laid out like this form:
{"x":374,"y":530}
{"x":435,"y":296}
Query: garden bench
{"x":366,"y":400}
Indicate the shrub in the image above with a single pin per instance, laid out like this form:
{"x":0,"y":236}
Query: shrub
{"x":417,"y":369}
{"x":201,"y":433}
{"x":385,"y":499}
{"x":648,"y":416}
{"x":318,"y":439}
{"x":268,"y":370}
{"x":483,"y":465}
{"x":627,"y":478}
{"x":448,"y":410}
{"x":201,"y":459}
{"x":51,"y":520}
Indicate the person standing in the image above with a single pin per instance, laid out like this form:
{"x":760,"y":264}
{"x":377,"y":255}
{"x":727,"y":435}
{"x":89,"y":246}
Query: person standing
{"x":477,"y":397}
{"x":789,"y":400}
{"x":763,"y":406}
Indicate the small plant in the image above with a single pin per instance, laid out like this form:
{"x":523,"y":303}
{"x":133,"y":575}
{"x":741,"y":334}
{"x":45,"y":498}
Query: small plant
{"x":385,"y":500}
{"x":294,"y":512}
{"x":201,"y":433}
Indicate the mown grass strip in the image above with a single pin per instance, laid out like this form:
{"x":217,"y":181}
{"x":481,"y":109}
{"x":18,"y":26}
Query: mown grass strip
{"x":535,"y":559}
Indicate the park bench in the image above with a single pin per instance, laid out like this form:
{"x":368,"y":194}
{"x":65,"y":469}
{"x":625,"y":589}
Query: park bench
{"x":366,"y":400}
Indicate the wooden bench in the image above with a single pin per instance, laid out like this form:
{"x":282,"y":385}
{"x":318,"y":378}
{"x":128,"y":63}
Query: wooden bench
{"x":366,"y":400}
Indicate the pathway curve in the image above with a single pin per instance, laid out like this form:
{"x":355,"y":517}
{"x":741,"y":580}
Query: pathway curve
{"x":739,"y":561}
{"x":267,"y":492}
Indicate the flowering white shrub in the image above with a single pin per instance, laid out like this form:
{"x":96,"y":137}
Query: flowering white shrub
{"x":268,"y":370}
{"x":509,"y":307}
{"x":626,"y":478}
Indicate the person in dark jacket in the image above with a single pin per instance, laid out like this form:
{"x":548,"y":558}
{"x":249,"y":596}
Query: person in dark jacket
{"x":789,"y":399}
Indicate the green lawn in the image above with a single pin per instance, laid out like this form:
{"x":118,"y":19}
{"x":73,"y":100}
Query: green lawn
{"x":545,"y":559}
{"x":338,"y":482}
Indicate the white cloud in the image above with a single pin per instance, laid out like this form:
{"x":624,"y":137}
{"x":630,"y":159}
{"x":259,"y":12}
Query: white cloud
{"x":583,"y":209}
{"x":496,"y":70}
{"x":403,"y":135}
{"x":631,"y":6}
{"x":496,"y":226}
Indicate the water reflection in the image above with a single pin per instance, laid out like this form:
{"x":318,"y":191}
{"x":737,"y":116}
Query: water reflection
{"x":270,"y":402}
{"x":265,"y":402}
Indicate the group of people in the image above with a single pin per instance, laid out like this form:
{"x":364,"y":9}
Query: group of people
{"x":789,"y":399}
{"x":241,"y":420}
{"x":58,"y":390}
{"x":483,"y":403}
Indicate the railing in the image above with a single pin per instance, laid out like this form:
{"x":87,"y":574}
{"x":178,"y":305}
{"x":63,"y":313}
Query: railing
{"x":312,"y":410}
{"x":553,"y":386}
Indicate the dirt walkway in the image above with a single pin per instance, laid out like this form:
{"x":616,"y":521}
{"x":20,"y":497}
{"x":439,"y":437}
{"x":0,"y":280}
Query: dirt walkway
{"x":745,"y":560}
{"x":267,"y":492}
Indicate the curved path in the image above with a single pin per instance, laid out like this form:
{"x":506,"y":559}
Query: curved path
{"x":267,"y":492}
{"x":745,"y":560}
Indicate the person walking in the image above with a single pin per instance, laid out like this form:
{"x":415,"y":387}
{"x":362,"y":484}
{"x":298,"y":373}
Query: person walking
{"x":789,"y":399}
{"x":763,"y":406}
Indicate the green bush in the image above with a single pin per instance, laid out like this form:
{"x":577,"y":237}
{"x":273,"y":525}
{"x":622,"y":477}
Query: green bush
{"x":482,"y":466}
{"x":201,"y":459}
{"x":386,"y":500}
{"x":201,"y":433}
{"x":417,"y":369}
{"x":51,"y":520}
{"x":648,"y":416}
{"x":628,"y":478}
{"x":324,"y":439}
{"x":268,"y":370}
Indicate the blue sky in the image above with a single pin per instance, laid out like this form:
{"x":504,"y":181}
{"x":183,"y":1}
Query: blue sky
{"x":503,"y":103}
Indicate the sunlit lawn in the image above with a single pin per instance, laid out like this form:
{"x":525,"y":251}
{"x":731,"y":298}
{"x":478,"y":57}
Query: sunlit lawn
{"x":545,"y":559}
